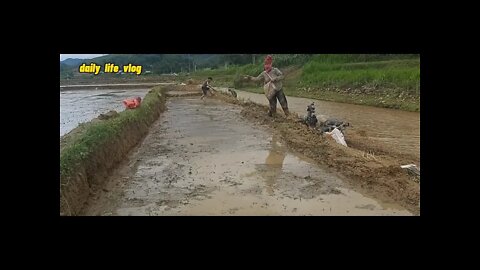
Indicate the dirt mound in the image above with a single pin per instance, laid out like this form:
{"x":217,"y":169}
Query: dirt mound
{"x":184,"y":90}
{"x":183,"y":94}
{"x":188,"y":87}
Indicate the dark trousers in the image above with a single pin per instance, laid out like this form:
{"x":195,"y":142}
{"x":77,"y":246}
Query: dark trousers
{"x":283,"y":102}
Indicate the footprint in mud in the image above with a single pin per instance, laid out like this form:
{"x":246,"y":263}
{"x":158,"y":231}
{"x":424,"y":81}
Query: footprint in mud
{"x":233,"y":210}
{"x":230,"y":182}
{"x":334,"y":191}
{"x":366,"y":206}
{"x":135,"y":201}
{"x":161,"y":203}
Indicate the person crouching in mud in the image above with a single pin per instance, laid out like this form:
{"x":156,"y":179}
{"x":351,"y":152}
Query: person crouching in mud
{"x":206,"y":87}
{"x":275,"y":76}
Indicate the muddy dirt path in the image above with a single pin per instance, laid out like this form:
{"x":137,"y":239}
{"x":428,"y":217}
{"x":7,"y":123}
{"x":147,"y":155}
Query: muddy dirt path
{"x":204,"y":158}
{"x":397,"y":130}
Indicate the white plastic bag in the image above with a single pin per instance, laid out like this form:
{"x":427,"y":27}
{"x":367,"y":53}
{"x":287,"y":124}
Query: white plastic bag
{"x":412,"y":169}
{"x":269,"y":89}
{"x":337,"y":135}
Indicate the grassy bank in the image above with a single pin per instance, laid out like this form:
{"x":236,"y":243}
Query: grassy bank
{"x":389,"y":81}
{"x":89,"y":152}
{"x":403,"y":74}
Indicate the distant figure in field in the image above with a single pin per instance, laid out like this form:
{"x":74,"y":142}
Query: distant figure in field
{"x":206,"y":87}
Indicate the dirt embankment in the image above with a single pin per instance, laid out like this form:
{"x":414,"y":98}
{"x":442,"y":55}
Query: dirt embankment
{"x":368,"y":167}
{"x":90,"y":152}
{"x":186,"y":90}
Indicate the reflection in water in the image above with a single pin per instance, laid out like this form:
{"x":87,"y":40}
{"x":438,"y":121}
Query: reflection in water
{"x":272,"y":168}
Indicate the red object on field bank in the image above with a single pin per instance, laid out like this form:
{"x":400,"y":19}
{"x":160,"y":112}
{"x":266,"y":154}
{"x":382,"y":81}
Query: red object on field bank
{"x":132,"y":103}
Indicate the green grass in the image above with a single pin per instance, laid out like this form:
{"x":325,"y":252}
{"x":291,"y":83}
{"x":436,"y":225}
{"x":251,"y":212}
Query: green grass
{"x":355,"y":58}
{"x":404,"y":74}
{"x":227,"y":77}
